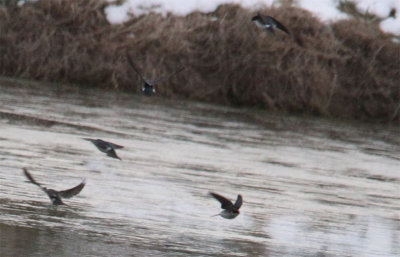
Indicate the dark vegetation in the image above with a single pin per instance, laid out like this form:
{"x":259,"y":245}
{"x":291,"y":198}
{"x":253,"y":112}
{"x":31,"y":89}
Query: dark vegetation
{"x":348,"y":69}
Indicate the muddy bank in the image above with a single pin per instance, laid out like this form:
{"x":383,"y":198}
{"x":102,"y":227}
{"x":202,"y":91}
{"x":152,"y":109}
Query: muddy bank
{"x":348,"y":69}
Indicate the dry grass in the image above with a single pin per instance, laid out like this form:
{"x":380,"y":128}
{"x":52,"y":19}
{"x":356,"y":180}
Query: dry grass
{"x":349,"y":69}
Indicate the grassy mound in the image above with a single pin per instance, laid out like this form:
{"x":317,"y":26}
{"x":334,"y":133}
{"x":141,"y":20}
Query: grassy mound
{"x":348,"y":69}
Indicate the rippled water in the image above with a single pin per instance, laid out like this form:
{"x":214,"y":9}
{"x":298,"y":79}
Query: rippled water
{"x":311,"y":187}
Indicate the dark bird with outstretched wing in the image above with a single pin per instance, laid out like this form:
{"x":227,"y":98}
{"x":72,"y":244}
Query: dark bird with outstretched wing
{"x":230,"y":210}
{"x":54,"y":195}
{"x":106,"y":147}
{"x":149,"y":86}
{"x":269,"y":23}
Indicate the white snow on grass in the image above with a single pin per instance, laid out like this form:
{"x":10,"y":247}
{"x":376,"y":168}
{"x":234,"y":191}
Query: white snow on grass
{"x":382,"y":8}
{"x":391,"y":25}
{"x":326,"y":10}
{"x":117,"y":14}
{"x":178,"y":7}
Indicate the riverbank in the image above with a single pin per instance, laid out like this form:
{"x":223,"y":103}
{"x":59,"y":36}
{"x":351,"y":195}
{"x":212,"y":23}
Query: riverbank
{"x":347,"y":69}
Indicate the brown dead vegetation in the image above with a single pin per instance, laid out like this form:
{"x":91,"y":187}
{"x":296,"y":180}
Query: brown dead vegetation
{"x":348,"y":69}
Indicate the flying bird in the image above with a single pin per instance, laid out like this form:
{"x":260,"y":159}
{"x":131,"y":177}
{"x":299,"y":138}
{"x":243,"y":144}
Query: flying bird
{"x":55,"y":196}
{"x":269,"y":23}
{"x":106,"y":147}
{"x":149,"y":86}
{"x":230,"y":210}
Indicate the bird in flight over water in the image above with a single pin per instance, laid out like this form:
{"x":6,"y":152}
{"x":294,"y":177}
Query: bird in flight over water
{"x":55,"y":196}
{"x":230,"y":210}
{"x":269,"y":23}
{"x":149,"y":86}
{"x":106,"y":147}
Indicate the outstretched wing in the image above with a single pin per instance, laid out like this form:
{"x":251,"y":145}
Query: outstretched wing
{"x":112,"y":154}
{"x":106,"y":145}
{"x":115,"y":146}
{"x":72,"y":191}
{"x":238,"y":202}
{"x":93,"y":141}
{"x":263,"y":18}
{"x":31,"y":179}
{"x":279,"y":25}
{"x":225,"y":203}
{"x":166,"y":76}
{"x":130,"y":61}
{"x":100,"y":144}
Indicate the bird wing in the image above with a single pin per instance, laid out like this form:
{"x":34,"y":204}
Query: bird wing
{"x":238,"y":202}
{"x":31,"y":179}
{"x":130,"y":61}
{"x":264,"y":18}
{"x":100,"y":144}
{"x":72,"y":191}
{"x":279,"y":25}
{"x":97,"y":142}
{"x":107,"y":145}
{"x":225,"y":203}
{"x":115,"y":146}
{"x":166,"y":76}
{"x":112,"y":154}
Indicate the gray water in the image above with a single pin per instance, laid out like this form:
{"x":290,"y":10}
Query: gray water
{"x":311,"y":187}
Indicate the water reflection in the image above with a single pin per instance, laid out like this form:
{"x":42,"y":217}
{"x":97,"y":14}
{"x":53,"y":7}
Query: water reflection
{"x":355,"y":235}
{"x":310,"y":187}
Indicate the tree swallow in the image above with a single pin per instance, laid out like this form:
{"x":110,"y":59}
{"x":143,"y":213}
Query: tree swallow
{"x":148,"y":87}
{"x":106,"y":147}
{"x":55,"y":196}
{"x":269,"y":23}
{"x":230,"y":210}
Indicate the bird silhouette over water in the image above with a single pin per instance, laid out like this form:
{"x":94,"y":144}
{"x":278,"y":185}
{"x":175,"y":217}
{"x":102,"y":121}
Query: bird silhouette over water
{"x":149,"y":86}
{"x":269,"y":23}
{"x":230,"y":210}
{"x":106,"y":147}
{"x":55,"y":196}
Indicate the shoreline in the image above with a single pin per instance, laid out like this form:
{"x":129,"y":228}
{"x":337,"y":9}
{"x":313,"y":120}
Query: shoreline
{"x":347,"y":70}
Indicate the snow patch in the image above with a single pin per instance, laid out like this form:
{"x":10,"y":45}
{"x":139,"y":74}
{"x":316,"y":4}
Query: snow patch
{"x":326,"y":10}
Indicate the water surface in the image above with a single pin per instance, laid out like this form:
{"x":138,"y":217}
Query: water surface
{"x":311,"y":187}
